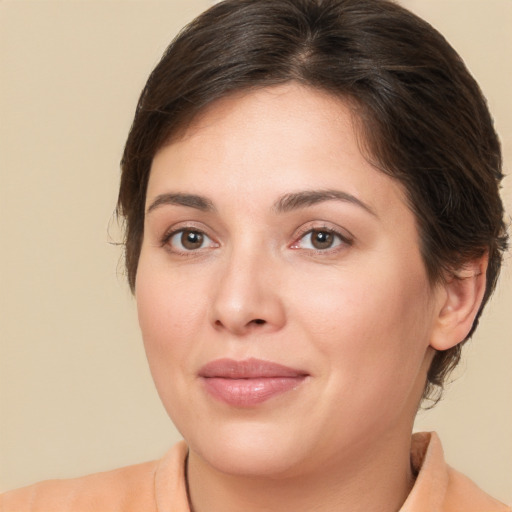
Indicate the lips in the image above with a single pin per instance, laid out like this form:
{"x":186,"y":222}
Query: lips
{"x":249,"y":382}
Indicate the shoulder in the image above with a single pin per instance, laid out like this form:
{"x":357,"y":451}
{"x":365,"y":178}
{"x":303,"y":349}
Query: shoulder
{"x":148,"y":487}
{"x":126,"y":489}
{"x":439,"y":487}
{"x":464,"y":494}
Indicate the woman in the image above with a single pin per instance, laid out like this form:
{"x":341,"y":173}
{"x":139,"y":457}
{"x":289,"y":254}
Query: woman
{"x":313,"y":228}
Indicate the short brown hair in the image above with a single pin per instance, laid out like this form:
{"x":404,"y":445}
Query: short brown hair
{"x":424,"y":119}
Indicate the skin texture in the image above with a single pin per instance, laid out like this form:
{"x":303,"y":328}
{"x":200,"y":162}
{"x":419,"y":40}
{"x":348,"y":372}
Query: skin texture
{"x":359,"y":317}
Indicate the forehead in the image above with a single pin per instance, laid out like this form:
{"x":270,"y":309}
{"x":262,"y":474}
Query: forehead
{"x":275,"y":140}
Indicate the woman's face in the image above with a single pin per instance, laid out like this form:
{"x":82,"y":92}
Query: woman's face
{"x":283,"y":302}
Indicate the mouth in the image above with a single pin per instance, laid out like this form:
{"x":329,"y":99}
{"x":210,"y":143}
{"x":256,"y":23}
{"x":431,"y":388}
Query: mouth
{"x":249,"y":382}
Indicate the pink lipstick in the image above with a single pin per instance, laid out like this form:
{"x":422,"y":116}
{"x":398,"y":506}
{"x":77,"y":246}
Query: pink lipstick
{"x":249,"y":382}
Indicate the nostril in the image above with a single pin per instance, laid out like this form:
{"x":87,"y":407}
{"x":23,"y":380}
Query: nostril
{"x":258,"y":321}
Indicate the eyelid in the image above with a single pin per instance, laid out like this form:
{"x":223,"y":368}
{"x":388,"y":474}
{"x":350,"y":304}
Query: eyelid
{"x":344,"y":235}
{"x":186,"y":226}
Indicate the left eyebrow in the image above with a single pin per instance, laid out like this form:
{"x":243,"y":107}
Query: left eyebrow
{"x":188,"y":200}
{"x":303,"y":199}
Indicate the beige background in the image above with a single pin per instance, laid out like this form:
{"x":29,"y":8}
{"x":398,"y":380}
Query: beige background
{"x":75,"y":393}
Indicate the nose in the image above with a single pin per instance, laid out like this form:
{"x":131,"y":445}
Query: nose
{"x":248,"y":296}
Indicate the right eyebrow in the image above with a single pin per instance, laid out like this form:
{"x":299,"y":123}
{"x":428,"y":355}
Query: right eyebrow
{"x":189,"y":200}
{"x":303,"y":199}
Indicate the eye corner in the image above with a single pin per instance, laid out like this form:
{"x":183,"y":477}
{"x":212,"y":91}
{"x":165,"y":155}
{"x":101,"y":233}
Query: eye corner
{"x":187,"y":240}
{"x":327,"y":241}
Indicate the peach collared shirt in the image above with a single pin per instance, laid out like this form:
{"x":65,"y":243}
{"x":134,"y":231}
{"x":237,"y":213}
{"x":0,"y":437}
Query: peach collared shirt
{"x":159,"y":486}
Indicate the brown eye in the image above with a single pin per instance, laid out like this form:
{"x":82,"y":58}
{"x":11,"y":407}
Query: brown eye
{"x":186,"y":240}
{"x":321,"y":239}
{"x":191,"y":240}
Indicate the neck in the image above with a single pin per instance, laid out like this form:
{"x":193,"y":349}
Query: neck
{"x":364,"y":483}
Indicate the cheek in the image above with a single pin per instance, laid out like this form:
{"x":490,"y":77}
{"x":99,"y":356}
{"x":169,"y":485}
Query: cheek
{"x":170,"y":314}
{"x":370,"y":326}
{"x":169,"y":311}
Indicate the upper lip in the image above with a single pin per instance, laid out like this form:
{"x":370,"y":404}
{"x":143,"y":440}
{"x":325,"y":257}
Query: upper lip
{"x":247,"y":369}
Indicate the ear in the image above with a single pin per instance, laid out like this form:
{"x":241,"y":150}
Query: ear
{"x":460,"y":300}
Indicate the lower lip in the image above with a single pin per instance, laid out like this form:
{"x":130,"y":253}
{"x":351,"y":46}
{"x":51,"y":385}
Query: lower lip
{"x":252,"y":391}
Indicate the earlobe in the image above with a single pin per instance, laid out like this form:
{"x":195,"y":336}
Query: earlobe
{"x":461,"y":300}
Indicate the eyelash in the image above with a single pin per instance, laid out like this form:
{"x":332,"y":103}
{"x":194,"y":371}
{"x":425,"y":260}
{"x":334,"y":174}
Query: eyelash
{"x":168,"y":236}
{"x":342,"y":240}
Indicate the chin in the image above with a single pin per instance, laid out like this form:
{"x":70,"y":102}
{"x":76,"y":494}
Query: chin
{"x":253,"y":449}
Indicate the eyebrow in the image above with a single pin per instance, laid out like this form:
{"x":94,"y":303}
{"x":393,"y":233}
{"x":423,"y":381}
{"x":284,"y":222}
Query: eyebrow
{"x":286,"y":203}
{"x":297,"y":200}
{"x":189,"y":200}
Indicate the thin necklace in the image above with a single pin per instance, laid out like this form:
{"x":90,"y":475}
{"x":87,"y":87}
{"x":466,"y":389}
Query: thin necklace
{"x":187,"y":487}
